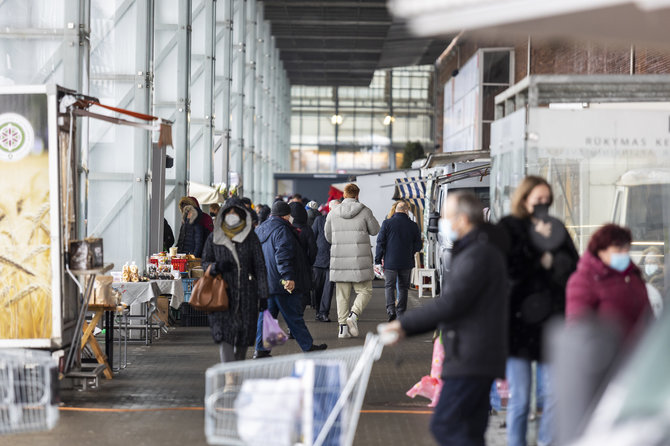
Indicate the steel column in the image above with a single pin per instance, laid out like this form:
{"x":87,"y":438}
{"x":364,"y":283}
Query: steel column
{"x":210,"y":81}
{"x":267,"y":111}
{"x":182,"y":121}
{"x":250,"y":99}
{"x":225,"y":52}
{"x":259,"y":162}
{"x":143,"y":144}
{"x":237,"y":96}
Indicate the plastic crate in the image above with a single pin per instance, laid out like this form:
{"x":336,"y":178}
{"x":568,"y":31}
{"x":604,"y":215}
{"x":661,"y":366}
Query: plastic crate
{"x":188,"y":288}
{"x":191,"y":317}
{"x":28,"y":391}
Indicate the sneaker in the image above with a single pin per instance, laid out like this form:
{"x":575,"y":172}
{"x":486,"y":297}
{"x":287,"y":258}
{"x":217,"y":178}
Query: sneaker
{"x":344,"y":332}
{"x":392,"y":317}
{"x":315,"y":347}
{"x":258,"y":354}
{"x":322,"y":318}
{"x":352,"y":323}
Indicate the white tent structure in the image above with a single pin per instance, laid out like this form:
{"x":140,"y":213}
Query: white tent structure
{"x":205,"y":194}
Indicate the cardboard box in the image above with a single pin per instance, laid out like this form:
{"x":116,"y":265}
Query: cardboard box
{"x":163,"y":309}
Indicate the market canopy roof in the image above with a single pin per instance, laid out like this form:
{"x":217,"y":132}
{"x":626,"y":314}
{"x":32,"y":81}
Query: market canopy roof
{"x":338,"y":42}
{"x":622,"y":20}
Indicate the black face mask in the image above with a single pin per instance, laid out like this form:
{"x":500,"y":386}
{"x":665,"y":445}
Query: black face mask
{"x":541,"y":211}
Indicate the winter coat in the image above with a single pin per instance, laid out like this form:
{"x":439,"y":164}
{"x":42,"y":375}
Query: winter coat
{"x":619,"y":297}
{"x":284,"y":257}
{"x":322,"y":245}
{"x":192,"y":236}
{"x":348,"y":229}
{"x":470,"y":312}
{"x":312,"y":215}
{"x":206,"y":219}
{"x":240,"y":262}
{"x":168,"y":235}
{"x":531,"y":282}
{"x":398,"y":240}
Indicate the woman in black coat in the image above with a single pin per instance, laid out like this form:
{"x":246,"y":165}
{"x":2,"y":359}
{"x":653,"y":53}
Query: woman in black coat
{"x":233,"y":251}
{"x":541,"y":258}
{"x":195,"y":227}
{"x":307,"y":242}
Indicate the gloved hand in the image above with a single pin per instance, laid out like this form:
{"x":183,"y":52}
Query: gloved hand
{"x":225,"y":266}
{"x":262,"y":304}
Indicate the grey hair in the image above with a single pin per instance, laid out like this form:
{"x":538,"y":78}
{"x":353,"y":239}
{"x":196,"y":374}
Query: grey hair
{"x":402,"y":206}
{"x":469,"y":205}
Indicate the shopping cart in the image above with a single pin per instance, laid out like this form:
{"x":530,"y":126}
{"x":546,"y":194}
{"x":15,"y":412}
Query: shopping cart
{"x":28,"y":391}
{"x":311,"y":400}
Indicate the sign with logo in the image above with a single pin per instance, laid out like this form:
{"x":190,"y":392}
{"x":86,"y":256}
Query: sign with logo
{"x":17,"y":137}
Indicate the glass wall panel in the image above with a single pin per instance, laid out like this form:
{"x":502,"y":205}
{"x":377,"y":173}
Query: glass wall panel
{"x":354,"y":121}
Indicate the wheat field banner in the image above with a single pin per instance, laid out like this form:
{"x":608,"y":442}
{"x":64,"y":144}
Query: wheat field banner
{"x":31,"y":305}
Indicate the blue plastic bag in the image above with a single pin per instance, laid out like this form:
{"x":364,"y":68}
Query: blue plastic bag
{"x":273,"y":335}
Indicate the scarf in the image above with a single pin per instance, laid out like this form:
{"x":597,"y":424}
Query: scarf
{"x":233,"y":231}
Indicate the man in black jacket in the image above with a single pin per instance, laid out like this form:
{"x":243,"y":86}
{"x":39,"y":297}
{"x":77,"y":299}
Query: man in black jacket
{"x":398,"y":240}
{"x":471,"y":313}
{"x":288,"y":277}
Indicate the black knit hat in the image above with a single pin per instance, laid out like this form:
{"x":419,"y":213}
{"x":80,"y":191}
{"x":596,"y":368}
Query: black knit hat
{"x":298,"y":213}
{"x":281,"y":209}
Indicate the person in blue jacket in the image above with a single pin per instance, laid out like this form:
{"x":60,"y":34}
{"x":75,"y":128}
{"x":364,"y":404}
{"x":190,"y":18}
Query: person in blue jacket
{"x":398,"y":240}
{"x":288,"y":277}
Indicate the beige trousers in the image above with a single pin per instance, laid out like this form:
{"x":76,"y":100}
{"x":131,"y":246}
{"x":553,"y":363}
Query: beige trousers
{"x":363,"y":292}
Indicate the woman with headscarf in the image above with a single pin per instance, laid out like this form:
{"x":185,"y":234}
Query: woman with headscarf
{"x":195,"y":227}
{"x":234,"y":252}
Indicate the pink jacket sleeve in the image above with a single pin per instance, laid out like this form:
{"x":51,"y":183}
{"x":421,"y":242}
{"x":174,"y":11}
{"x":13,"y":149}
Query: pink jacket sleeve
{"x":579,"y":296}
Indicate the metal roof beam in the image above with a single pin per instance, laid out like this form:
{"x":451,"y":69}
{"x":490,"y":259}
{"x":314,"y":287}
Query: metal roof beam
{"x":285,"y":50}
{"x":327,"y":4}
{"x":327,"y":37}
{"x":327,"y":70}
{"x":329,"y":22}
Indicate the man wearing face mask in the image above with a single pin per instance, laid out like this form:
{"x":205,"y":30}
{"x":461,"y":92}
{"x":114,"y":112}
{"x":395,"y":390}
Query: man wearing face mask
{"x":288,"y":277}
{"x":471,"y":314}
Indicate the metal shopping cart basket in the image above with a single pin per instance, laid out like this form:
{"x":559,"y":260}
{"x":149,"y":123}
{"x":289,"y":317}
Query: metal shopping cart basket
{"x":28,"y":391}
{"x":308,"y":400}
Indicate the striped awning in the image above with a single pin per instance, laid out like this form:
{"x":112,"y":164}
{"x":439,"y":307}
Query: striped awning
{"x":412,"y":190}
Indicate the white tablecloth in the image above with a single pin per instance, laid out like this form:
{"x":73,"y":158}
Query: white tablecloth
{"x":175,"y":288}
{"x":137,"y":292}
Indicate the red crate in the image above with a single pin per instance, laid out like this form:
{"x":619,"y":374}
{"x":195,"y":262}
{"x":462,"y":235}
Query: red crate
{"x":179,"y":264}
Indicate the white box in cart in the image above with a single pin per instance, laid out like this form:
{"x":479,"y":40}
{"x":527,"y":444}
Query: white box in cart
{"x":323,"y":382}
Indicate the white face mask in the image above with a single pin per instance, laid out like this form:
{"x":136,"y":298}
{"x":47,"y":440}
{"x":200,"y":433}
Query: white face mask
{"x":232,"y":219}
{"x":650,"y":269}
{"x":444,"y":226}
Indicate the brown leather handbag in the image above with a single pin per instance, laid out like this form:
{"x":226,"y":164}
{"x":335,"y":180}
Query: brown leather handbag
{"x":210,"y":293}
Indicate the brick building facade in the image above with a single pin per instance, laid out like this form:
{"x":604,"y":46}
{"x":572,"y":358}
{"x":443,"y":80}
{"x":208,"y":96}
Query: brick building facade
{"x":552,"y":57}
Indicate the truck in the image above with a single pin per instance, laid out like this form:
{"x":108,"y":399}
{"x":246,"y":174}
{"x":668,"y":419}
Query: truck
{"x":425,"y":186}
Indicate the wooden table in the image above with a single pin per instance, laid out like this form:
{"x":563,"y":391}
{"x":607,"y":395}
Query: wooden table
{"x":88,"y":338}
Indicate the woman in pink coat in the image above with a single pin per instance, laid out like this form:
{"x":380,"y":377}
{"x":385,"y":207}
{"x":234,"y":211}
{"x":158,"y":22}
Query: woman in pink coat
{"x":607,"y":284}
{"x":606,"y":300}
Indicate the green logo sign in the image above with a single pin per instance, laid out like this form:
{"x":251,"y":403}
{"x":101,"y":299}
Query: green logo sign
{"x":16,"y":137}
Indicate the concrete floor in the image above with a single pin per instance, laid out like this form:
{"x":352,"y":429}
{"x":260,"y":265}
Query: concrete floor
{"x":158,"y":398}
